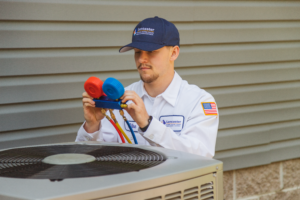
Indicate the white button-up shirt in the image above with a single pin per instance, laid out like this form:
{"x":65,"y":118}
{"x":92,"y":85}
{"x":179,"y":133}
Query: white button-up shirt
{"x":182,"y":120}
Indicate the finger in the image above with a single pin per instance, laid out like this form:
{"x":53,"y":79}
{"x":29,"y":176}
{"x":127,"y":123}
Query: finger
{"x":128,"y":92}
{"x":87,"y":100}
{"x":131,"y":106}
{"x":130,"y":98}
{"x":88,"y":105}
{"x":131,"y":95}
{"x":86,"y":95}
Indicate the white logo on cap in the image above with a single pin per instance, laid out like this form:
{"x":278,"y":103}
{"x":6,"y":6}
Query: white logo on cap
{"x":144,"y":31}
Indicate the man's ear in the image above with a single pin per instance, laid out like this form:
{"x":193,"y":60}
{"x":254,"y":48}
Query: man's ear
{"x":174,"y":53}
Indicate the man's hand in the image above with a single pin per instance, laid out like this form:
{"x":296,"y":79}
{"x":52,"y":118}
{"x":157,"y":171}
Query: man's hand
{"x":136,"y":109}
{"x":92,"y":115}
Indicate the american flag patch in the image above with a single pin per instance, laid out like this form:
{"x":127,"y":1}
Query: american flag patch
{"x":209,"y":108}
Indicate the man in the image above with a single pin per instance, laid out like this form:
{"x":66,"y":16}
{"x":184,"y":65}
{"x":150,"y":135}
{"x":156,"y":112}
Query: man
{"x":164,"y":110}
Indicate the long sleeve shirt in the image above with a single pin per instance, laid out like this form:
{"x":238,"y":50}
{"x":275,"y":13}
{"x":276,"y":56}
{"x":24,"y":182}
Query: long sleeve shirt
{"x":185,"y":118}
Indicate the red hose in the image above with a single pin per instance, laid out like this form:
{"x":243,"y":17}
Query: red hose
{"x":120,"y":134}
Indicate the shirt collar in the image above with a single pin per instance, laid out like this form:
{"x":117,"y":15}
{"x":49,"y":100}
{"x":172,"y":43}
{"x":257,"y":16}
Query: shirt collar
{"x":170,"y":94}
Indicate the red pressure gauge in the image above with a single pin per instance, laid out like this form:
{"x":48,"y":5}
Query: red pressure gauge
{"x":93,"y":86}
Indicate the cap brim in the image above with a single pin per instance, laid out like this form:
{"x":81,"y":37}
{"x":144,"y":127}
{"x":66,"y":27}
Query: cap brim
{"x":145,"y":46}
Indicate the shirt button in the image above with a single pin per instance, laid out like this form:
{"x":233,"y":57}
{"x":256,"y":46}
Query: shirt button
{"x":151,"y":136}
{"x":88,"y":137}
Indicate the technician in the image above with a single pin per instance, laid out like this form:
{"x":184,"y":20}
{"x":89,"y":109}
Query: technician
{"x":163,"y":109}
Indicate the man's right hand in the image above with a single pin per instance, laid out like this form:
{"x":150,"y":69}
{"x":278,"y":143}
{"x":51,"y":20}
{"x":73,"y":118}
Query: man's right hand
{"x":92,"y":115}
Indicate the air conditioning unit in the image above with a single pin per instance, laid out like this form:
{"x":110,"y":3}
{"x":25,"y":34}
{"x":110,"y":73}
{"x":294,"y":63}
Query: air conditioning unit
{"x":93,"y":170}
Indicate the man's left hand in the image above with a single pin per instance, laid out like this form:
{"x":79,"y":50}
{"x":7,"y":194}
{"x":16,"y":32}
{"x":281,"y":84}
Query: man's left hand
{"x":136,"y":109}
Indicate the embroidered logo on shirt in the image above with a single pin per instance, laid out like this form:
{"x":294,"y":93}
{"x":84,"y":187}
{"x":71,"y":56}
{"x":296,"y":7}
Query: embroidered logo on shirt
{"x":133,"y":125}
{"x":209,"y":108}
{"x":175,"y":122}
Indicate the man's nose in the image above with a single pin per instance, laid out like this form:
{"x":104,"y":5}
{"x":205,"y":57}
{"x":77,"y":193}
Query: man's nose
{"x":143,"y":58}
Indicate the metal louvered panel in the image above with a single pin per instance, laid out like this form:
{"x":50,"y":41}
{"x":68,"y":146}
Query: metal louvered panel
{"x":173,"y":196}
{"x":191,"y":193}
{"x":209,"y":195}
{"x":207,"y":186}
{"x":207,"y":191}
{"x":155,"y":198}
{"x":184,"y":190}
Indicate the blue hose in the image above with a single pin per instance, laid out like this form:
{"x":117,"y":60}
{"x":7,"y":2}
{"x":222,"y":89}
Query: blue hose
{"x":132,"y":133}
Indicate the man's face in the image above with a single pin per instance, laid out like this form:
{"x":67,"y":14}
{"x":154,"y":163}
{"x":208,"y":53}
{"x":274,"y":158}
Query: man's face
{"x":153,"y":64}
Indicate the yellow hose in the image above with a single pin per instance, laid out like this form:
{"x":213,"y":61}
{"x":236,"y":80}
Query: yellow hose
{"x":124,"y":134}
{"x":118,"y":125}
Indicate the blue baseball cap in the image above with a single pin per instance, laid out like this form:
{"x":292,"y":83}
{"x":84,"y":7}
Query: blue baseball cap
{"x":153,"y":33}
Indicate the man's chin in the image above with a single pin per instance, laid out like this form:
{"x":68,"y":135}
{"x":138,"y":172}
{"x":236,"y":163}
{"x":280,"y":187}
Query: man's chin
{"x":148,"y":78}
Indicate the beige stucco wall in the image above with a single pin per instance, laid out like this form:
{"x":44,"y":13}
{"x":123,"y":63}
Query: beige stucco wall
{"x":276,"y":181}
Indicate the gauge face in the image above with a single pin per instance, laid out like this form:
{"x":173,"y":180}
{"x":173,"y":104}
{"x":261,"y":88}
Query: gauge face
{"x":113,"y":88}
{"x":74,"y":161}
{"x":93,"y":86}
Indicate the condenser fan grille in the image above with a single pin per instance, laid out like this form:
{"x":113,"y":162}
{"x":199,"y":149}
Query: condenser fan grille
{"x":29,"y":162}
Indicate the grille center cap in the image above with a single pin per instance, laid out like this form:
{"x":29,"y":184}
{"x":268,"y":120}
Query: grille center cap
{"x":68,"y":159}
